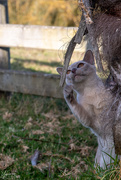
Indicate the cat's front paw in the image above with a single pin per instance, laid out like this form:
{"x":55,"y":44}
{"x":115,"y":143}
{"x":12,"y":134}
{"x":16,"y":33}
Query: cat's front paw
{"x":68,"y":93}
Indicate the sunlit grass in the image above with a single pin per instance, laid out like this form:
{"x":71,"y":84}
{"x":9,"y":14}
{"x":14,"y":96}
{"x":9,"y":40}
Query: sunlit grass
{"x":45,"y":61}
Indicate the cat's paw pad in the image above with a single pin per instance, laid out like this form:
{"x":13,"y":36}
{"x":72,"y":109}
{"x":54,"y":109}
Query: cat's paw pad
{"x":68,"y":92}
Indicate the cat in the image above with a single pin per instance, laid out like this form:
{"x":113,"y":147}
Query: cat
{"x":92,"y":105}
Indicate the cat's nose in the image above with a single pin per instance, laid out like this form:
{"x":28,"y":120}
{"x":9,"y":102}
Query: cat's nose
{"x":73,"y":70}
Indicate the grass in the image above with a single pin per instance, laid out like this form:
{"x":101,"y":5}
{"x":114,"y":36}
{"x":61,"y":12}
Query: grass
{"x":63,"y":142}
{"x":38,"y":60}
{"x":67,"y":148}
{"x":29,"y":123}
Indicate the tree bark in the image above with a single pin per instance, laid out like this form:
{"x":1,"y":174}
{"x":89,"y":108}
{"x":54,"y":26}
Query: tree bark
{"x":86,"y":7}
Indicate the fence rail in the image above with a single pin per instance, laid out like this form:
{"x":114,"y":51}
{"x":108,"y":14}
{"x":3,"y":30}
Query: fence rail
{"x":26,"y":36}
{"x":30,"y":83}
{"x":33,"y":36}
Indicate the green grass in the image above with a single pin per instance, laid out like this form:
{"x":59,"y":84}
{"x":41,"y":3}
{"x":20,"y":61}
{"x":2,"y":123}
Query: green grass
{"x":45,"y":61}
{"x":67,"y":148}
{"x":64,"y":144}
{"x":30,"y":122}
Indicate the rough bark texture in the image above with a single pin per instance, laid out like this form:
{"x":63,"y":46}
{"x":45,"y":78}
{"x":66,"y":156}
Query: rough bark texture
{"x":103,"y":22}
{"x":107,"y":25}
{"x":91,"y":30}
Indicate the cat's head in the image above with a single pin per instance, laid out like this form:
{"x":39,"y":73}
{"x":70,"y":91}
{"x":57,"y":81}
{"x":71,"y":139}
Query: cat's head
{"x":80,"y":71}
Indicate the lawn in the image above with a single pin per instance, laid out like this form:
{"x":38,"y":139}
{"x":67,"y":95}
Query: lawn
{"x":44,"y":61}
{"x":29,"y":123}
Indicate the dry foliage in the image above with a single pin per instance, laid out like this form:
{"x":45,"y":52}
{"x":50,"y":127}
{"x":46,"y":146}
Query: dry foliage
{"x":5,"y":161}
{"x":41,"y":12}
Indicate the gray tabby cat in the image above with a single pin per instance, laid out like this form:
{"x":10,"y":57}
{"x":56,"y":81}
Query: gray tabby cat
{"x":92,"y":105}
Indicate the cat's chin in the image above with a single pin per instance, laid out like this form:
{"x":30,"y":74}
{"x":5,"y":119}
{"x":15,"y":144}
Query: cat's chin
{"x":78,"y":78}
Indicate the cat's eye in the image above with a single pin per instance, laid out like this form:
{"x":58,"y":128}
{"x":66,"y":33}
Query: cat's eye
{"x":68,"y":71}
{"x":80,"y":65}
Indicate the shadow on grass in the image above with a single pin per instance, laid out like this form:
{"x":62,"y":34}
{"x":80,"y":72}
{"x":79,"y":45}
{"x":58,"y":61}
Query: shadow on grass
{"x":18,"y":64}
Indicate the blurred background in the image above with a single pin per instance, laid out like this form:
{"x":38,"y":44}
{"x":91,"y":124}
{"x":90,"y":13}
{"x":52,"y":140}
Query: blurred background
{"x":64,"y":13}
{"x":44,"y":12}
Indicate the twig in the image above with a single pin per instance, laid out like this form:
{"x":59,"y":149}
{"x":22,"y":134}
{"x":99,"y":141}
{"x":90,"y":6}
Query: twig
{"x":75,"y":40}
{"x":40,"y":140}
{"x":81,"y":30}
{"x":49,"y":168}
{"x":59,"y":156}
{"x":67,"y":59}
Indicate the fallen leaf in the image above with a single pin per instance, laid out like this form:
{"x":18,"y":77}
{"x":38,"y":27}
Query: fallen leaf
{"x":70,"y":116}
{"x":28,"y":125}
{"x":25,"y":148}
{"x":42,"y":166}
{"x":76,"y":170}
{"x":5,"y":161}
{"x":11,"y":129}
{"x":65,"y":173}
{"x":37,"y":132}
{"x":83,"y":165}
{"x":42,"y":137}
{"x":7,"y":116}
{"x":30,"y":119}
{"x":50,"y":115}
{"x":72,"y":146}
{"x":85,"y":151}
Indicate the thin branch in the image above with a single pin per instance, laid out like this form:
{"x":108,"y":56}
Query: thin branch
{"x":75,"y":40}
{"x":59,"y":156}
{"x":85,"y":5}
{"x":67,"y":59}
{"x":81,"y":30}
{"x":40,"y":140}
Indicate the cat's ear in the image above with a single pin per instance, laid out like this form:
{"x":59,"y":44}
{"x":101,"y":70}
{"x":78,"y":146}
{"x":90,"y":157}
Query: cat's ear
{"x":59,"y":70}
{"x":89,"y":58}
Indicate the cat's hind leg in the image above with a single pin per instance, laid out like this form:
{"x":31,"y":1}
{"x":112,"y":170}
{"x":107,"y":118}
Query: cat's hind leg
{"x":97,"y":157}
{"x":107,"y":157}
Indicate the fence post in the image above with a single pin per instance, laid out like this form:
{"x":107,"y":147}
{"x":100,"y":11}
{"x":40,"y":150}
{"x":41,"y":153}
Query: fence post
{"x":4,"y":52}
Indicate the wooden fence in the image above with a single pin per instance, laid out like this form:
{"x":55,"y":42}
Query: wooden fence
{"x":35,"y":36}
{"x":27,"y":36}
